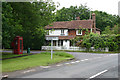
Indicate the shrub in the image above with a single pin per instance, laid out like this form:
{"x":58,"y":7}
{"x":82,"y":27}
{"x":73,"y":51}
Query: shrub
{"x":64,"y":54}
{"x":102,"y":41}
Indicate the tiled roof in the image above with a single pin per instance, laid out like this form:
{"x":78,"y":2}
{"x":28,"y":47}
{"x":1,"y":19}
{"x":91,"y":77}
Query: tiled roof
{"x":75,"y":24}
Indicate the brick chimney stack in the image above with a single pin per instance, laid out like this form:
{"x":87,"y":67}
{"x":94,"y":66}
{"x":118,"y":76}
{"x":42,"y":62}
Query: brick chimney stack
{"x":94,"y":22}
{"x":77,"y":18}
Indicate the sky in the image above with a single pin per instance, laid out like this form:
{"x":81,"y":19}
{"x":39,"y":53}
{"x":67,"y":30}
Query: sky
{"x":109,"y":6}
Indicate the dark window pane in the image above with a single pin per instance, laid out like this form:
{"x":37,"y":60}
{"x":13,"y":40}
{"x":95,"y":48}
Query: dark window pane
{"x":20,"y":45}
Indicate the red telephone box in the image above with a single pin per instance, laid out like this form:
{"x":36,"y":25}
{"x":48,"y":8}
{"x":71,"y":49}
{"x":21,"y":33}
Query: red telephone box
{"x":18,"y":45}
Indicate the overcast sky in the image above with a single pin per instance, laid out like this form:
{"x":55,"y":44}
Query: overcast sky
{"x":109,"y":6}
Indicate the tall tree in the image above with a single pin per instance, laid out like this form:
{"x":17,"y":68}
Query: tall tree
{"x":68,"y":14}
{"x":104,"y":19}
{"x":28,"y":21}
{"x":10,"y":27}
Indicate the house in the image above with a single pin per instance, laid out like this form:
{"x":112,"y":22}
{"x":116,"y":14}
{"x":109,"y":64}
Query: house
{"x":67,"y":30}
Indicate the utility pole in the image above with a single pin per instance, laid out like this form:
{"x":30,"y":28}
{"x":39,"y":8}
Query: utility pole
{"x":51,"y":48}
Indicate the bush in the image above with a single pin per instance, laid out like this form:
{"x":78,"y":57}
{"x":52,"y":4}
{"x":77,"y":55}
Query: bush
{"x":102,"y":41}
{"x":64,"y":54}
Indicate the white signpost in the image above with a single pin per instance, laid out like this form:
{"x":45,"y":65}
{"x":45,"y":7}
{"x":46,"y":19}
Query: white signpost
{"x":51,"y":38}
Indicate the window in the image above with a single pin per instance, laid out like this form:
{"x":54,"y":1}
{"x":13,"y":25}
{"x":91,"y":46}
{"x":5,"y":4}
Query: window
{"x":65,"y":40}
{"x":47,"y":32}
{"x":60,"y":43}
{"x":79,"y":32}
{"x":20,"y":45}
{"x":62,"y":32}
{"x":54,"y":43}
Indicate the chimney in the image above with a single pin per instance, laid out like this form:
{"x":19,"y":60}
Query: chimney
{"x":93,"y":17}
{"x":77,"y":18}
{"x":94,"y":22}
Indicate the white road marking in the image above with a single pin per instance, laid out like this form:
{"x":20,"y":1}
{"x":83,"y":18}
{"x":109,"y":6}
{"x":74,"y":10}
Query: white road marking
{"x":72,"y":62}
{"x":77,"y":61}
{"x":59,"y":65}
{"x":82,"y":60}
{"x":85,"y":59}
{"x":67,"y":63}
{"x":98,"y":74}
{"x":29,"y":71}
{"x":45,"y":66}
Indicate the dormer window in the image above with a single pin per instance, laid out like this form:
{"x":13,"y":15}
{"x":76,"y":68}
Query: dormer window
{"x":79,"y":32}
{"x":62,"y":32}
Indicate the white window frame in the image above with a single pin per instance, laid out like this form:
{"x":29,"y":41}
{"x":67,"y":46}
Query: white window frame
{"x":62,"y":32}
{"x":78,"y":33}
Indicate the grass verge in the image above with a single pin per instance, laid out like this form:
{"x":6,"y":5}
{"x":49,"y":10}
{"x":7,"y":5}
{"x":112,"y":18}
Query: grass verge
{"x":10,"y":55}
{"x":30,"y":61}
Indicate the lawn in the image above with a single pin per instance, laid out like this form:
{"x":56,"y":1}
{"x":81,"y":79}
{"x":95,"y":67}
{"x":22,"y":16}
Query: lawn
{"x":30,"y":61}
{"x":10,"y":55}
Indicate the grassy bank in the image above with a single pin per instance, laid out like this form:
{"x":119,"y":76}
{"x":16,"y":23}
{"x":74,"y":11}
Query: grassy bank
{"x":30,"y":61}
{"x":10,"y":55}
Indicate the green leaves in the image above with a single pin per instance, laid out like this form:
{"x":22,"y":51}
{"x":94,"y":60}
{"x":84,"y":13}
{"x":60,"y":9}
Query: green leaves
{"x":104,"y":19}
{"x":68,"y":14}
{"x":99,"y":41}
{"x":27,"y":20}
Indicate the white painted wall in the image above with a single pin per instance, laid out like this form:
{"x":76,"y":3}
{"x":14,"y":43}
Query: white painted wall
{"x":66,"y":44}
{"x":57,"y":32}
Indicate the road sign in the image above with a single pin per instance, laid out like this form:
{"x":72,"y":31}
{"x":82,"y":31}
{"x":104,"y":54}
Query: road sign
{"x":51,"y":38}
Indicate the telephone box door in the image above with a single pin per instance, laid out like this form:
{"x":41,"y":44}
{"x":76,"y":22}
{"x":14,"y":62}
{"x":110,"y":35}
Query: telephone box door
{"x":18,"y":45}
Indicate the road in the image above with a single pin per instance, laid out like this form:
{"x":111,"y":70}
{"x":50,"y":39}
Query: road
{"x":9,"y":51}
{"x":86,"y":65}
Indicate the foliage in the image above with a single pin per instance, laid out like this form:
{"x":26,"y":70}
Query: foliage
{"x":104,"y":19}
{"x":63,"y":54}
{"x":114,"y":30}
{"x":68,"y":14}
{"x":101,"y":41}
{"x":27,"y":20}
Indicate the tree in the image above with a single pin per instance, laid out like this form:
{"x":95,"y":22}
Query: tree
{"x":27,"y":20}
{"x":68,"y":14}
{"x":10,"y":27}
{"x":104,"y":19}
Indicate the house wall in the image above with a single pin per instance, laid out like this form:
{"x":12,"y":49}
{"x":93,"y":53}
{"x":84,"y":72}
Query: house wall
{"x":74,"y":32}
{"x":67,"y":32}
{"x":71,"y":32}
{"x":58,"y":32}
